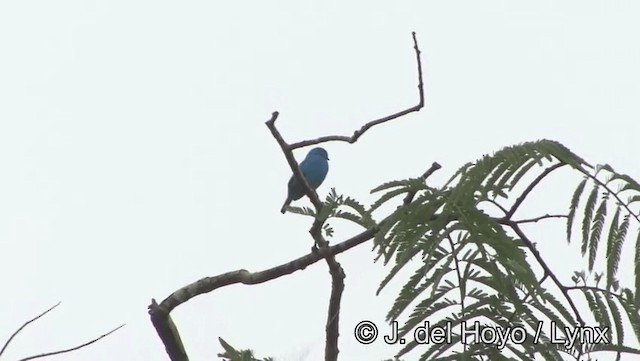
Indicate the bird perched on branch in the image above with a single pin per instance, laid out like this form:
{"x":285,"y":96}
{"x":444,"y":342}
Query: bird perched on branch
{"x":314,"y":169}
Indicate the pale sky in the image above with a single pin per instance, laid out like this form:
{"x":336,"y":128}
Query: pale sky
{"x":135,"y":159}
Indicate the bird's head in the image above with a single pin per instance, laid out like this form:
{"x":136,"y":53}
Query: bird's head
{"x":318,"y":152}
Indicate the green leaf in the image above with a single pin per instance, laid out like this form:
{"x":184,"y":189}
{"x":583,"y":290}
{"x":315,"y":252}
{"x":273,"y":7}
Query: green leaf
{"x":588,"y":214}
{"x":596,"y":231}
{"x":575,"y":199}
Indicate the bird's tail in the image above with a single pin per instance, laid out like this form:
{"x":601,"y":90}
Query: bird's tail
{"x":285,"y":205}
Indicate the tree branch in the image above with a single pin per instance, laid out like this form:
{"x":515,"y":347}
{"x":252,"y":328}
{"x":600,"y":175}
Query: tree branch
{"x":358,"y":133}
{"x":73,"y":348}
{"x":54,"y":352}
{"x":332,"y":328}
{"x":25,"y":325}
{"x":545,"y":267}
{"x":434,"y":167}
{"x":159,"y":313}
{"x":500,"y":207}
{"x":536,"y":219}
{"x":530,"y":187}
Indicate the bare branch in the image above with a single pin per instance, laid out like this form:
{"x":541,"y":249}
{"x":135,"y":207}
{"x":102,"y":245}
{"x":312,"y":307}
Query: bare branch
{"x":160,"y":312}
{"x":25,"y":325}
{"x":536,"y":219}
{"x":358,"y":133}
{"x":73,"y":348}
{"x":332,"y":328}
{"x":530,"y":187}
{"x":545,"y":267}
{"x":500,"y":207}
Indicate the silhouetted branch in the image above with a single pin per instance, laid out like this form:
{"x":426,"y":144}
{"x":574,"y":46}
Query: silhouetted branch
{"x":160,"y":312}
{"x":25,"y":325}
{"x":546,"y":268}
{"x":530,"y":187}
{"x":73,"y":348}
{"x":332,"y":328}
{"x":358,"y":133}
{"x":54,"y":352}
{"x":536,"y":219}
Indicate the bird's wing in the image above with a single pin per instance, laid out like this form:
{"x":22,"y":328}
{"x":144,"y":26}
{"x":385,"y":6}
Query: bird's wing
{"x":293,"y":178}
{"x":303,"y":168}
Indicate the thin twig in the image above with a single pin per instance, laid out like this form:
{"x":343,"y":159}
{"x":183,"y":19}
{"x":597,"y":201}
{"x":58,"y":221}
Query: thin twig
{"x":358,"y":133}
{"x":546,"y":268}
{"x":73,"y":348}
{"x":434,"y":167}
{"x":332,"y":328}
{"x":536,"y":219}
{"x":455,"y":251}
{"x":498,"y":205}
{"x":530,"y":187}
{"x":25,"y":325}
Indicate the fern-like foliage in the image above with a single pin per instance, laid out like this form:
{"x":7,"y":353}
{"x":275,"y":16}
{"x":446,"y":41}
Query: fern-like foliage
{"x":620,"y":193}
{"x":476,"y":270}
{"x":231,"y":354}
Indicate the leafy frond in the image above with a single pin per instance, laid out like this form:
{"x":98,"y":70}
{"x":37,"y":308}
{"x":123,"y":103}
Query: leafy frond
{"x":617,"y":317}
{"x":388,"y":196}
{"x":365,"y":215}
{"x":573,"y":206}
{"x":597,"y":312}
{"x":468,"y":265}
{"x":305,"y":211}
{"x":614,"y":245}
{"x":627,"y":301}
{"x":588,"y":216}
{"x":392,"y":184}
{"x":637,"y":270}
{"x":569,"y":318}
{"x":231,"y":354}
{"x":596,"y":231}
{"x":603,"y":309}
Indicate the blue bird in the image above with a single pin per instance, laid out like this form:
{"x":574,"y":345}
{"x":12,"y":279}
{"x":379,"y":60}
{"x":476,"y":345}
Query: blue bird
{"x":314,"y":169}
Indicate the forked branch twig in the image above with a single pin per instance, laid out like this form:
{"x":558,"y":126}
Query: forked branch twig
{"x":75,"y":348}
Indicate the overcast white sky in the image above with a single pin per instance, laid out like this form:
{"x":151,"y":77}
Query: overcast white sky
{"x":135,"y":158}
